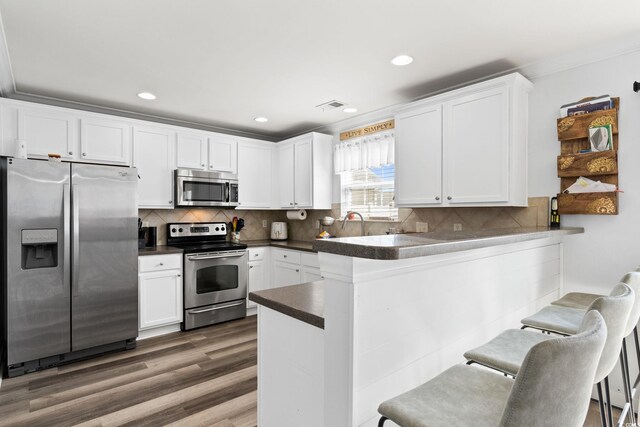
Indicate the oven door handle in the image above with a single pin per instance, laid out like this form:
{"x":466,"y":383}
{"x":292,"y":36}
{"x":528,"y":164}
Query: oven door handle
{"x":220,"y":307}
{"x":202,"y":257}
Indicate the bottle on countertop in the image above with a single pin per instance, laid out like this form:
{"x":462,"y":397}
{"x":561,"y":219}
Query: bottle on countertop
{"x":554,"y":218}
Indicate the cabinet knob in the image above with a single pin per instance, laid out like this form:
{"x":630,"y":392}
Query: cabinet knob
{"x":297,"y":270}
{"x":448,"y":197}
{"x":284,"y":256}
{"x":71,"y":153}
{"x":291,"y":203}
{"x":161,"y":264}
{"x":437,"y":197}
{"x":202,"y":165}
{"x":211,"y":166}
{"x":250,"y":267}
{"x":84,"y":154}
{"x":179,"y":275}
{"x":170,"y":201}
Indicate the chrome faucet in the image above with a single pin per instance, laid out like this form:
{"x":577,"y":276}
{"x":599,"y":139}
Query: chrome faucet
{"x":346,"y":217}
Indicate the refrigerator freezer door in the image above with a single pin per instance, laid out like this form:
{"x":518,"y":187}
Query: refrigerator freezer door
{"x":104,"y":288}
{"x":37,"y":253}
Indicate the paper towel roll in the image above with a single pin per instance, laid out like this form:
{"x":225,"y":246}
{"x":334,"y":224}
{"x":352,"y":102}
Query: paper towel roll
{"x":300,"y":214}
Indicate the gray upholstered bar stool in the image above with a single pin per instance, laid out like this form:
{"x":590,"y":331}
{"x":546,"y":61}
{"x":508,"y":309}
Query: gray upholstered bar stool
{"x":580,"y":300}
{"x":553,"y":388}
{"x":507,"y":351}
{"x":547,"y":319}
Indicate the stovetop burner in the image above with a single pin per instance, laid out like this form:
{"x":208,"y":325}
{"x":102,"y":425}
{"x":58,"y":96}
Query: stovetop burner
{"x":201,"y":237}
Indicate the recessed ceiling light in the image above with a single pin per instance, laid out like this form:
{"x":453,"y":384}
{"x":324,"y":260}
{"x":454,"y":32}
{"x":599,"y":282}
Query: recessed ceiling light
{"x":401,"y":60}
{"x":261,"y":119}
{"x":147,"y":95}
{"x":350,"y":110}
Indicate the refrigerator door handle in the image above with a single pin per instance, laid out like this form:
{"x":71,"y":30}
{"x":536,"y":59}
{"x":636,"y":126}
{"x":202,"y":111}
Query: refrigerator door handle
{"x":66,"y":207}
{"x":75,"y":226}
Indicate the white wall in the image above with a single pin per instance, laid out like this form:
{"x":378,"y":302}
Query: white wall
{"x":610,"y":246}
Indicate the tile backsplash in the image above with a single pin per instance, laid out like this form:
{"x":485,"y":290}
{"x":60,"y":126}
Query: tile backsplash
{"x":438,"y":219}
{"x":252,"y":230}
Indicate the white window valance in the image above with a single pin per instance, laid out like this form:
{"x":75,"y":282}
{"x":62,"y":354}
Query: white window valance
{"x":364,"y":152}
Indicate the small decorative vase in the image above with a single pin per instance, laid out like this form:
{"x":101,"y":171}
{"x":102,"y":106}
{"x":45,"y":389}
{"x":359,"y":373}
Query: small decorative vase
{"x":235,"y":236}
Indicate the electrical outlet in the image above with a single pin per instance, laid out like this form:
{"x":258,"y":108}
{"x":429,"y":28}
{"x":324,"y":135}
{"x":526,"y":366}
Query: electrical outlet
{"x":317,"y":224}
{"x":422,"y":227}
{"x":457,"y":227}
{"x":264,"y":223}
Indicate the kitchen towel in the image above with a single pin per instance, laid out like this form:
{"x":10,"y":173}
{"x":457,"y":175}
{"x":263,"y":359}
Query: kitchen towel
{"x":300,"y":215}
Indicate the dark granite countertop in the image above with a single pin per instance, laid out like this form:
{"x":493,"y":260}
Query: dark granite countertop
{"x":298,"y":245}
{"x":304,"y":302}
{"x":159,"y":250}
{"x":401,"y":246}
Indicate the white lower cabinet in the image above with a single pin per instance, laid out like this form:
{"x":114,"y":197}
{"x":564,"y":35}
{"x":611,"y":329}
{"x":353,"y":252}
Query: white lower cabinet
{"x":292,"y":267}
{"x":258,"y":277}
{"x":160,"y":294}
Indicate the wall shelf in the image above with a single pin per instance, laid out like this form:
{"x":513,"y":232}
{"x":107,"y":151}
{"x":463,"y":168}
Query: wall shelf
{"x":573,"y":134}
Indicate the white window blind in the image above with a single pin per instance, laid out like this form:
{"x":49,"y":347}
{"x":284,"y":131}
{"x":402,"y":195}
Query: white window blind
{"x":370,"y":192}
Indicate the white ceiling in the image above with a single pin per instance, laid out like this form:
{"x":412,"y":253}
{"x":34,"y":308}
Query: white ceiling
{"x":222,"y":63}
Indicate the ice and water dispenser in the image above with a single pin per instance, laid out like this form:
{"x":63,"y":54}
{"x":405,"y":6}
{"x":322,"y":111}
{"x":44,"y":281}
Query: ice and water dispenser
{"x":39,"y":248}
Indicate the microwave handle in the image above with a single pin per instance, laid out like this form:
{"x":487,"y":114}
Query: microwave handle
{"x":227,"y":196}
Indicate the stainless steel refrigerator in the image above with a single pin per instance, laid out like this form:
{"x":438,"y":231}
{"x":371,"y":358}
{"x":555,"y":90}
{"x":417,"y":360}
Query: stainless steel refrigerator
{"x":69,"y":261}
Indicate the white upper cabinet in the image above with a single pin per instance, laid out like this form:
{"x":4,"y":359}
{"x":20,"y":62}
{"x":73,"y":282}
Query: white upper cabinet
{"x":47,"y":131}
{"x":154,"y":156}
{"x":223,"y":153}
{"x":476,"y":153}
{"x":467,"y":147}
{"x":419,"y":169}
{"x":286,"y":161}
{"x":255,"y":170}
{"x":206,"y":151}
{"x":191,"y":150}
{"x":305,"y":173}
{"x":105,"y":141}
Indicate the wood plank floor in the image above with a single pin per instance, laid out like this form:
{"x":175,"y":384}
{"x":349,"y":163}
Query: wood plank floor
{"x":205,"y":377}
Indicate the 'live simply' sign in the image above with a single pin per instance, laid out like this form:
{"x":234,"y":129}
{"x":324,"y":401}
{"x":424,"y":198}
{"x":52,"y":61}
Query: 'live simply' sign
{"x":368,"y":130}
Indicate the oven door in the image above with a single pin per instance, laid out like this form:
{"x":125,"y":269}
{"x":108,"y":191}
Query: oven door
{"x":192,"y":191}
{"x":211,"y":278}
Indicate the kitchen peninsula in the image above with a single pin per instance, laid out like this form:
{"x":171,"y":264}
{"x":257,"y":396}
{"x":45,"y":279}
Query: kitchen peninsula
{"x":395,"y":311}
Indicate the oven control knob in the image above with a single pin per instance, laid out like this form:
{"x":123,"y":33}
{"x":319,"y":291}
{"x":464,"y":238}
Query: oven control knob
{"x":217,"y":228}
{"x":173,"y":230}
{"x":180,"y":230}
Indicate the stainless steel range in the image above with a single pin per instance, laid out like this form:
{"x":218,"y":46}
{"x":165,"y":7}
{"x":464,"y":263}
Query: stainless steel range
{"x":215,"y":273}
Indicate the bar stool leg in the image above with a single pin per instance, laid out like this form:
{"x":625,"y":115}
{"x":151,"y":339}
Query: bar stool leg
{"x":624,"y":361}
{"x":603,"y":416}
{"x":608,"y":399}
{"x":382,"y":420}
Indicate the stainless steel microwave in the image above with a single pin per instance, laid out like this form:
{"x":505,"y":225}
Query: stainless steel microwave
{"x":200,"y":188}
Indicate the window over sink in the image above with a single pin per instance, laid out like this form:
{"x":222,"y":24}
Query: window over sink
{"x":367,"y":171}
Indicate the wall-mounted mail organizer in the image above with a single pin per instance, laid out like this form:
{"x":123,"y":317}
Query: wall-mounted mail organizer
{"x":573,"y":134}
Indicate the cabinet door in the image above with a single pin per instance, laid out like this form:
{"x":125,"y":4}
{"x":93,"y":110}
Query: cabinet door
{"x":303,"y":174}
{"x":153,"y":155}
{"x":254,"y":176}
{"x":286,"y":178}
{"x":160,"y":298}
{"x":476,"y":147}
{"x":286,"y":274}
{"x":310,"y":274}
{"x":105,"y":141}
{"x":191,"y":150}
{"x":223,"y":154}
{"x":418,"y":157}
{"x":257,"y":279}
{"x":48,"y":132}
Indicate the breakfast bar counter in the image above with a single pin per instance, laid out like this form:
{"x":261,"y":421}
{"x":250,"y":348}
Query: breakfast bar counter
{"x":397,"y":311}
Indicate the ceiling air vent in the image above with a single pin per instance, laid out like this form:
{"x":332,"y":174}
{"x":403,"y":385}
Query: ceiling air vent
{"x":331,"y":105}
